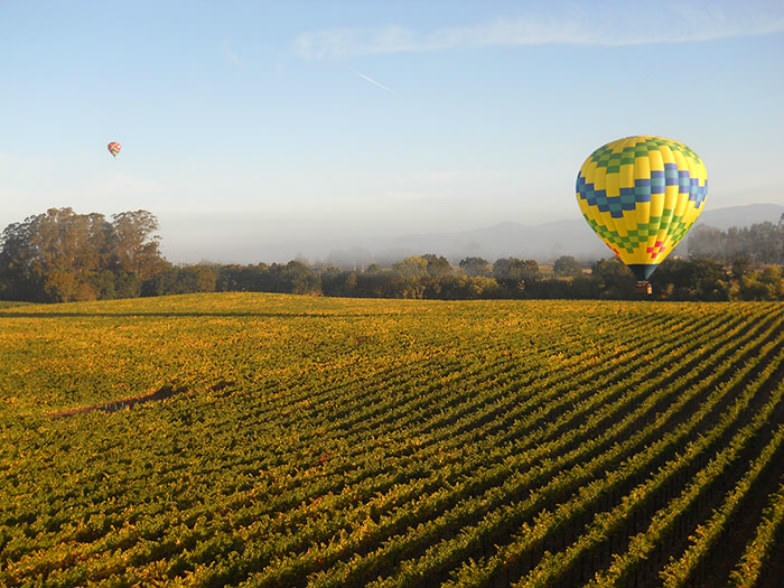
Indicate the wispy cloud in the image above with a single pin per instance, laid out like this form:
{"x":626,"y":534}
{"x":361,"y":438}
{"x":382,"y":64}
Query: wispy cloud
{"x":372,"y":81}
{"x":668,"y":24}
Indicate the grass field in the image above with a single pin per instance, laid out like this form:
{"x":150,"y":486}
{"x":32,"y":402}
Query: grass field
{"x":273,"y":440}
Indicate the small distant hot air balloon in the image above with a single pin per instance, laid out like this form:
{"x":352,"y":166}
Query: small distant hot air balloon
{"x":641,"y":195}
{"x":114,"y":148}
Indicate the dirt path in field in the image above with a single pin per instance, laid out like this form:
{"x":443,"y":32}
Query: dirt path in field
{"x":115,"y":405}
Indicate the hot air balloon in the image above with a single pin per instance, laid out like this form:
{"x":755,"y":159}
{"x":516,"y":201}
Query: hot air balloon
{"x":114,"y":148}
{"x":641,"y":195}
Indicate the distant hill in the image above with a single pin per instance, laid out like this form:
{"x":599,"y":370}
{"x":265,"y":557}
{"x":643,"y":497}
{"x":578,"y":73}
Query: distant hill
{"x":545,"y":242}
{"x":741,"y":216}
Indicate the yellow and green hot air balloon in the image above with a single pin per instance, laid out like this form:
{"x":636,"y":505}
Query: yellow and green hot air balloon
{"x":641,"y":195}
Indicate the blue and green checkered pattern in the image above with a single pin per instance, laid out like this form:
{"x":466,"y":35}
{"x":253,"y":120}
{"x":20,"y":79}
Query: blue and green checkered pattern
{"x":642,"y":190}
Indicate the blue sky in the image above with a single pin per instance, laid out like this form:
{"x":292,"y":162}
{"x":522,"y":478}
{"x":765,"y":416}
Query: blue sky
{"x":252,"y":129}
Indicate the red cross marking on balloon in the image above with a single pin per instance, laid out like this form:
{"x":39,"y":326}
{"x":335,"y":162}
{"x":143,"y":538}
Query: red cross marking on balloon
{"x":656,"y":249}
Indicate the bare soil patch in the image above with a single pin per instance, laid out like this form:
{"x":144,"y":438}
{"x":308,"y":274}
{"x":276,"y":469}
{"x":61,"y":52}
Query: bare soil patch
{"x":113,"y":406}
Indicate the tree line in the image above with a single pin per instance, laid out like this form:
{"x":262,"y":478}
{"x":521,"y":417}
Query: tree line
{"x":759,"y":243}
{"x":62,"y":256}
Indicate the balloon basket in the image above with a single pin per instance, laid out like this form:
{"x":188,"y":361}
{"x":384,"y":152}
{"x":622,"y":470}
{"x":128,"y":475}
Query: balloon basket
{"x":644,"y":289}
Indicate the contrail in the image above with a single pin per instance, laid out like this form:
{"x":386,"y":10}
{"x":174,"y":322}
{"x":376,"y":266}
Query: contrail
{"x":372,"y":81}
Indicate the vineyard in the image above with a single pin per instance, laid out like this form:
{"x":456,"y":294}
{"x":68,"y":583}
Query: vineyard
{"x":275,"y":441}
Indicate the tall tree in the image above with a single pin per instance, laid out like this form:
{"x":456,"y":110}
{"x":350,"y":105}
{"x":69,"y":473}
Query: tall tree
{"x":567,"y":266}
{"x":613,"y":278}
{"x":762,"y":243}
{"x":514,"y":274}
{"x":476,"y":266}
{"x":61,"y":255}
{"x":135,"y":245}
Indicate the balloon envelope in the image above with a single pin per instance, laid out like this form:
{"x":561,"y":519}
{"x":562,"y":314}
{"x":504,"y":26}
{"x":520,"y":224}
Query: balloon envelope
{"x":641,"y":195}
{"x":114,"y":148}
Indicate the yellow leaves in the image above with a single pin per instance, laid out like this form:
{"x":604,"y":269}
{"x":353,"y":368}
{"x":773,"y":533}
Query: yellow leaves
{"x":343,"y":414}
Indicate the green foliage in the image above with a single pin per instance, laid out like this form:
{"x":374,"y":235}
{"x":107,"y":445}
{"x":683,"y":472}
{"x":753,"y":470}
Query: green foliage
{"x":614,"y":279}
{"x":567,"y":266}
{"x":476,"y":267}
{"x":307,"y":441}
{"x":765,"y":284}
{"x":694,"y":279}
{"x":62,"y":256}
{"x":761,"y":243}
{"x":515,"y":274}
